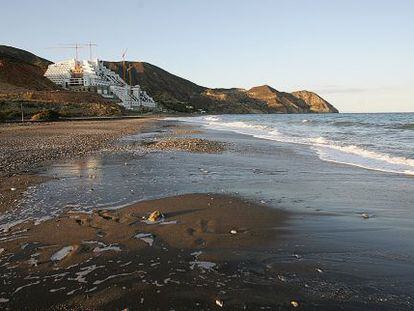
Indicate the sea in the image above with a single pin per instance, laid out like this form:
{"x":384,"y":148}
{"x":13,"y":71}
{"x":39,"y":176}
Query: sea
{"x":376,"y":141}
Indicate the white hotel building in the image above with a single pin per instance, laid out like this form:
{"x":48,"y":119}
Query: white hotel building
{"x":92,"y":75}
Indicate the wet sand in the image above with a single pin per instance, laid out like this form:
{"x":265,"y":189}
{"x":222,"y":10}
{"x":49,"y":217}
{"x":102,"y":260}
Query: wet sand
{"x":24,"y":148}
{"x":108,"y":259}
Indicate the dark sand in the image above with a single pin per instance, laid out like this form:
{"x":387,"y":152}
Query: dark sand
{"x":193,"y":260}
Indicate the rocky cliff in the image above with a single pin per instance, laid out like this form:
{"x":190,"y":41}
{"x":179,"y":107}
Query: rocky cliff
{"x":315,"y":102}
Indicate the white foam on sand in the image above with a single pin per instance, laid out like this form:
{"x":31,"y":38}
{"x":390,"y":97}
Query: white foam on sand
{"x":205,"y":265}
{"x":62,"y":253}
{"x":81,"y":275}
{"x":54,"y":290}
{"x":146,"y":237}
{"x":111,"y":247}
{"x":111,"y":277}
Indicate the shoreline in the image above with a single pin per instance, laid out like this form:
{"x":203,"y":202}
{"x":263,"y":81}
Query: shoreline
{"x":26,"y":148}
{"x":307,"y":261}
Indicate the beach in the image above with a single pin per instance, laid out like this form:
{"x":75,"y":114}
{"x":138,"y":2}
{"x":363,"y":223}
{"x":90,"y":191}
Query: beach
{"x":247,"y":223}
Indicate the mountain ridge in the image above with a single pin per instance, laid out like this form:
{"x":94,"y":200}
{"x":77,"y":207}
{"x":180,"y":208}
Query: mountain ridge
{"x":173,"y":92}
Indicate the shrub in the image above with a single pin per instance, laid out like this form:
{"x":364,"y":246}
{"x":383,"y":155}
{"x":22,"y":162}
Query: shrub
{"x":46,"y":115}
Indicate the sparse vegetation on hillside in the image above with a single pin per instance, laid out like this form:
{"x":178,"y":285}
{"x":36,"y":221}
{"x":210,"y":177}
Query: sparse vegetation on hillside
{"x":10,"y":111}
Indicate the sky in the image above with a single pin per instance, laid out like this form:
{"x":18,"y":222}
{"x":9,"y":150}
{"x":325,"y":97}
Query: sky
{"x":357,"y":54}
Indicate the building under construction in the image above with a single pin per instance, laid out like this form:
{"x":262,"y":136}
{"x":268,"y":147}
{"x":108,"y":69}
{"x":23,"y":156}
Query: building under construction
{"x":92,"y":75}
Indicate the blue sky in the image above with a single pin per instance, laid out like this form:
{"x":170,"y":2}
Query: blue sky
{"x":359,"y":55}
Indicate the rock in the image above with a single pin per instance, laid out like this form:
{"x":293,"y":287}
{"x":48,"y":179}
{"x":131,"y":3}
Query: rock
{"x":220,"y":303}
{"x":294,"y":304}
{"x":233,"y":231}
{"x":13,"y":189}
{"x":365,"y":215}
{"x":155,"y":216}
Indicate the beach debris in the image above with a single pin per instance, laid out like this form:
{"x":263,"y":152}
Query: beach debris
{"x":297,"y":256}
{"x":294,"y":303}
{"x":92,"y":176}
{"x":220,"y":303}
{"x":146,"y":237}
{"x":365,"y":215}
{"x":13,"y":189}
{"x":3,"y":300}
{"x":233,"y":231}
{"x":281,"y":278}
{"x":319,"y":270}
{"x":62,"y":253}
{"x":155,"y":216}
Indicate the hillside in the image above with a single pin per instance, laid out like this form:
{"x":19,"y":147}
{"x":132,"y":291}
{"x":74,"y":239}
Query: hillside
{"x":21,"y":79}
{"x":22,"y":82}
{"x":177,"y":93}
{"x":20,"y":69}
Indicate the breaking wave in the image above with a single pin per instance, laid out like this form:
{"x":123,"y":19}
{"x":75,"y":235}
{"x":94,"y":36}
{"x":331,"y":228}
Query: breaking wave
{"x":345,"y":151}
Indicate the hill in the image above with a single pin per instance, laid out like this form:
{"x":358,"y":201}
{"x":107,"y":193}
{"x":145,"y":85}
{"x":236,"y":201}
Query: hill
{"x":22,"y":82}
{"x":22,"y":70}
{"x":177,"y":93}
{"x":21,"y":79}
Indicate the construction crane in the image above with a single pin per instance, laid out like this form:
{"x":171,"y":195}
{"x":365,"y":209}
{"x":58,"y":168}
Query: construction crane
{"x":129,"y":73}
{"x":123,"y":64}
{"x":90,"y":45}
{"x":74,"y":46}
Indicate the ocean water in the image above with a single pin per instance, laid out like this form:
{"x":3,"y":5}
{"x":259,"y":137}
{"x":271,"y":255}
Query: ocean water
{"x":383,"y":142}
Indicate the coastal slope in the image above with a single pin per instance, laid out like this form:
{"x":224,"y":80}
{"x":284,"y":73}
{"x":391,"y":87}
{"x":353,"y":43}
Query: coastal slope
{"x":21,"y":79}
{"x":178,"y":94}
{"x":22,"y":83}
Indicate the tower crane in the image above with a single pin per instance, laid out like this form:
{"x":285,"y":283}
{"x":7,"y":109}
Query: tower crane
{"x":123,"y":64}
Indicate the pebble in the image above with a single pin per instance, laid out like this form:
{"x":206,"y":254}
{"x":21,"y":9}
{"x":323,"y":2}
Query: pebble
{"x":13,"y":189}
{"x":188,"y":144}
{"x":233,"y":231}
{"x":365,"y":215}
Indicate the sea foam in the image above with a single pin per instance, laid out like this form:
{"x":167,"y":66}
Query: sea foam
{"x":328,"y":149}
